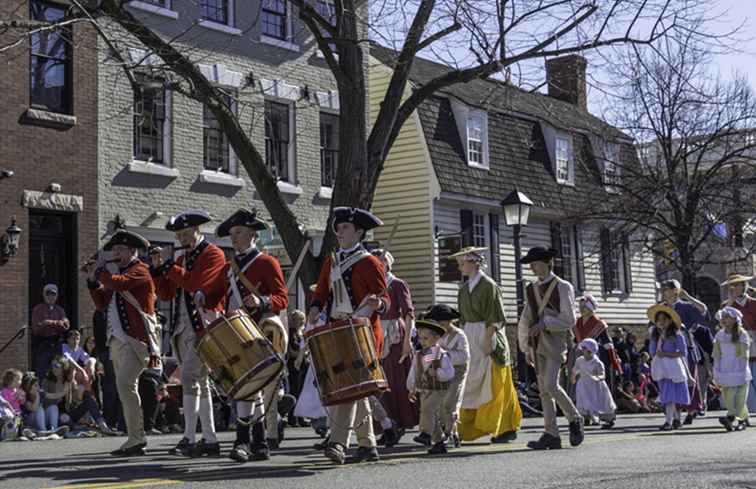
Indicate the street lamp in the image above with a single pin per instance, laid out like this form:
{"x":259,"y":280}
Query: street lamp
{"x":516,"y":213}
{"x":9,"y":241}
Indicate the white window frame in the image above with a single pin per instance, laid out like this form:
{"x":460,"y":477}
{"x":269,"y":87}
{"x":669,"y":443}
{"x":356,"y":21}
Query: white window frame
{"x":167,"y":132}
{"x":233,"y":170}
{"x":164,"y":11}
{"x":289,"y":42}
{"x":567,"y":236}
{"x":482,"y":239}
{"x":289,"y":186}
{"x":462,"y":116}
{"x":566,"y":141}
{"x":611,"y":160}
{"x":617,"y":250}
{"x":228,"y":28}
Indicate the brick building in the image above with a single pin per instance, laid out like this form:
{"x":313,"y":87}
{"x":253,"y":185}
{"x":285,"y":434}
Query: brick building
{"x":48,"y":136}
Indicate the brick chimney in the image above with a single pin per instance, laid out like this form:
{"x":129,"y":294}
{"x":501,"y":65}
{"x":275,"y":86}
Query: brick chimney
{"x":566,"y":78}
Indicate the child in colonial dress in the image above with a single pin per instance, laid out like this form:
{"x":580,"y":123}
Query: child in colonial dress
{"x":731,"y":371}
{"x":593,"y":396}
{"x":668,"y":367}
{"x":456,"y":345}
{"x":428,"y":380}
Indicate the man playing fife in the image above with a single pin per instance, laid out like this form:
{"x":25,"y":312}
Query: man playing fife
{"x":254,"y":284}
{"x":129,"y":338}
{"x":352,"y":284}
{"x":544,"y":335}
{"x":195,"y":281}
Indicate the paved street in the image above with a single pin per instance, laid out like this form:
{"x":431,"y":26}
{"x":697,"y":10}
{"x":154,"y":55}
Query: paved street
{"x":633,"y":455}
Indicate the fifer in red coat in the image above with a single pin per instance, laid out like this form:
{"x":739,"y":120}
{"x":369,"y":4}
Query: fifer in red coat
{"x":135,"y":278}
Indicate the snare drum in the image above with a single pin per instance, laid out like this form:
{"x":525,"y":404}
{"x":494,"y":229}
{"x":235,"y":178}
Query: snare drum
{"x":345,"y":361}
{"x":240,"y":360}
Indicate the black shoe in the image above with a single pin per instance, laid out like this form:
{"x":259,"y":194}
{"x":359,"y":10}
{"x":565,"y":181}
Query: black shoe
{"x":365,"y":454}
{"x":259,"y":455}
{"x":576,"y":433}
{"x":676,"y":424}
{"x":742,"y":425}
{"x":336,"y":453}
{"x":240,"y":453}
{"x":726,"y":422}
{"x":202,"y":448}
{"x":423,"y":439}
{"x":272,"y":443}
{"x":322,"y":445}
{"x":546,"y":442}
{"x":506,"y":437}
{"x":321,"y":432}
{"x":701,"y":414}
{"x":303,"y":423}
{"x":587,"y":421}
{"x":456,"y":442}
{"x":688,"y":419}
{"x":438,"y":449}
{"x":608,"y":425}
{"x":134,"y":451}
{"x":183,"y":448}
{"x":286,"y":404}
{"x":381,"y":441}
{"x":390,"y":437}
{"x":665,"y":427}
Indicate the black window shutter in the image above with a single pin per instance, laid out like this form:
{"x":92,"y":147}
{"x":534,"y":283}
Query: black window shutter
{"x":606,"y":259}
{"x":626,"y":264}
{"x":493,"y":222}
{"x":580,"y":264}
{"x":466,"y":221}
{"x":556,"y":243}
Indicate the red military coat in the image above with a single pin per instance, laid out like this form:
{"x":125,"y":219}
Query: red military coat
{"x":206,"y":276}
{"x":367,"y":278}
{"x":135,"y":279}
{"x":264,"y":273}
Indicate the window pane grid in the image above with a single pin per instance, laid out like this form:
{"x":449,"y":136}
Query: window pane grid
{"x":479,"y":230}
{"x":274,"y":19}
{"x":215,"y":10}
{"x":149,"y":125}
{"x":277,"y":139}
{"x":217,"y":154}
{"x":566,"y":254}
{"x":562,"y":160}
{"x":475,"y":139}
{"x":50,"y":61}
{"x":329,"y":148}
{"x":614,"y":263}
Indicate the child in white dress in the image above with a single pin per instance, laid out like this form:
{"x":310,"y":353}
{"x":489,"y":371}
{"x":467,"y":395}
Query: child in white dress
{"x":593,"y":396}
{"x":731,"y":371}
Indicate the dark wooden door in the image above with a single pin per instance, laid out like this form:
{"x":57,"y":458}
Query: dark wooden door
{"x":52,"y":252}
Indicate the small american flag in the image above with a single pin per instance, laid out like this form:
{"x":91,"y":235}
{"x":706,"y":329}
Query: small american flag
{"x":430,"y":354}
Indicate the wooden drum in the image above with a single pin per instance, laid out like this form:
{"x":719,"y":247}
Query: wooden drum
{"x":240,"y":359}
{"x":345,"y":361}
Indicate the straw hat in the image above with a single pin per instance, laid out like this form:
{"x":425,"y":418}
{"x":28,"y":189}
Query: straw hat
{"x":469,"y":250}
{"x":736,"y":278}
{"x":654,"y":310}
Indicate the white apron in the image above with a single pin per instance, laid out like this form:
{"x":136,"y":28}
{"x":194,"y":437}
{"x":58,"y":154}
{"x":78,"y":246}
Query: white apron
{"x":479,"y":375}
{"x":308,"y":403}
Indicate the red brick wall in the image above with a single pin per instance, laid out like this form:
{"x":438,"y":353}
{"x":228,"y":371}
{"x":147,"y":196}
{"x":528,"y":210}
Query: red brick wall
{"x":39,"y":156}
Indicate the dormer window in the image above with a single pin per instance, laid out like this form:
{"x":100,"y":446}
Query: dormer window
{"x":611,"y":170}
{"x":472,"y":125}
{"x":564,"y":161}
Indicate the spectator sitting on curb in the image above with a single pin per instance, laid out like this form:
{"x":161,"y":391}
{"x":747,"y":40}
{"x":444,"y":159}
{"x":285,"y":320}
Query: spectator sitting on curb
{"x":35,"y":413}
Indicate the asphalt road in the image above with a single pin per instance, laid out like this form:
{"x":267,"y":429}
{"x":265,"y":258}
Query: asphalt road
{"x":632,"y":455}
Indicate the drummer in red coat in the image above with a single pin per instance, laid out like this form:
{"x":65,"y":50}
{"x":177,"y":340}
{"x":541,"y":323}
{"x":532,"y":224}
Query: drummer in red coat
{"x":195,"y":281}
{"x":131,"y":343}
{"x":254,"y":283}
{"x":352,"y":283}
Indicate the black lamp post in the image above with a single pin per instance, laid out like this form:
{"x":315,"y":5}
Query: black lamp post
{"x":9,"y":241}
{"x":516,"y":213}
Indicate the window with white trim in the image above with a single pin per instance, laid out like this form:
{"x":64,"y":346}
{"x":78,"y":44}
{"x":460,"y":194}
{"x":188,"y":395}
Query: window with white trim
{"x":216,"y":11}
{"x":275,"y":19}
{"x":151,"y":107}
{"x":329,"y":148}
{"x":479,"y":229}
{"x":51,"y":67}
{"x":217,"y":150}
{"x":279,"y":131}
{"x":564,"y":161}
{"x":611,"y":167}
{"x":615,"y":262}
{"x":475,"y":139}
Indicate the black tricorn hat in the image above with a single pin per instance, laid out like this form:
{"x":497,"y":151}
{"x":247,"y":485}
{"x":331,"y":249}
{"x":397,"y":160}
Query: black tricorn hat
{"x":431,"y":325}
{"x":126,"y":238}
{"x":359,"y":217}
{"x":539,"y":253}
{"x":187,"y":219}
{"x":242,"y":217}
{"x":441,"y":312}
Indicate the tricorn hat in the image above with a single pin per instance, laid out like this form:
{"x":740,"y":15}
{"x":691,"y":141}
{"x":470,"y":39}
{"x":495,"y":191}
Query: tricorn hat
{"x":187,"y":219}
{"x":539,"y":253}
{"x":431,"y":325}
{"x":126,"y":238}
{"x":242,"y":217}
{"x":359,"y":217}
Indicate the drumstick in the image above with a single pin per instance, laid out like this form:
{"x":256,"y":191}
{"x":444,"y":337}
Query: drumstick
{"x":297,"y":265}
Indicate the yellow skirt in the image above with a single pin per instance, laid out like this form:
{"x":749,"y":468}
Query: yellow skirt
{"x":500,"y":415}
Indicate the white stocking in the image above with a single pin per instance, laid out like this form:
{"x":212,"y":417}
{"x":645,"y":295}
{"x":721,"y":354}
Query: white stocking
{"x":191,"y":408}
{"x":206,"y":418}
